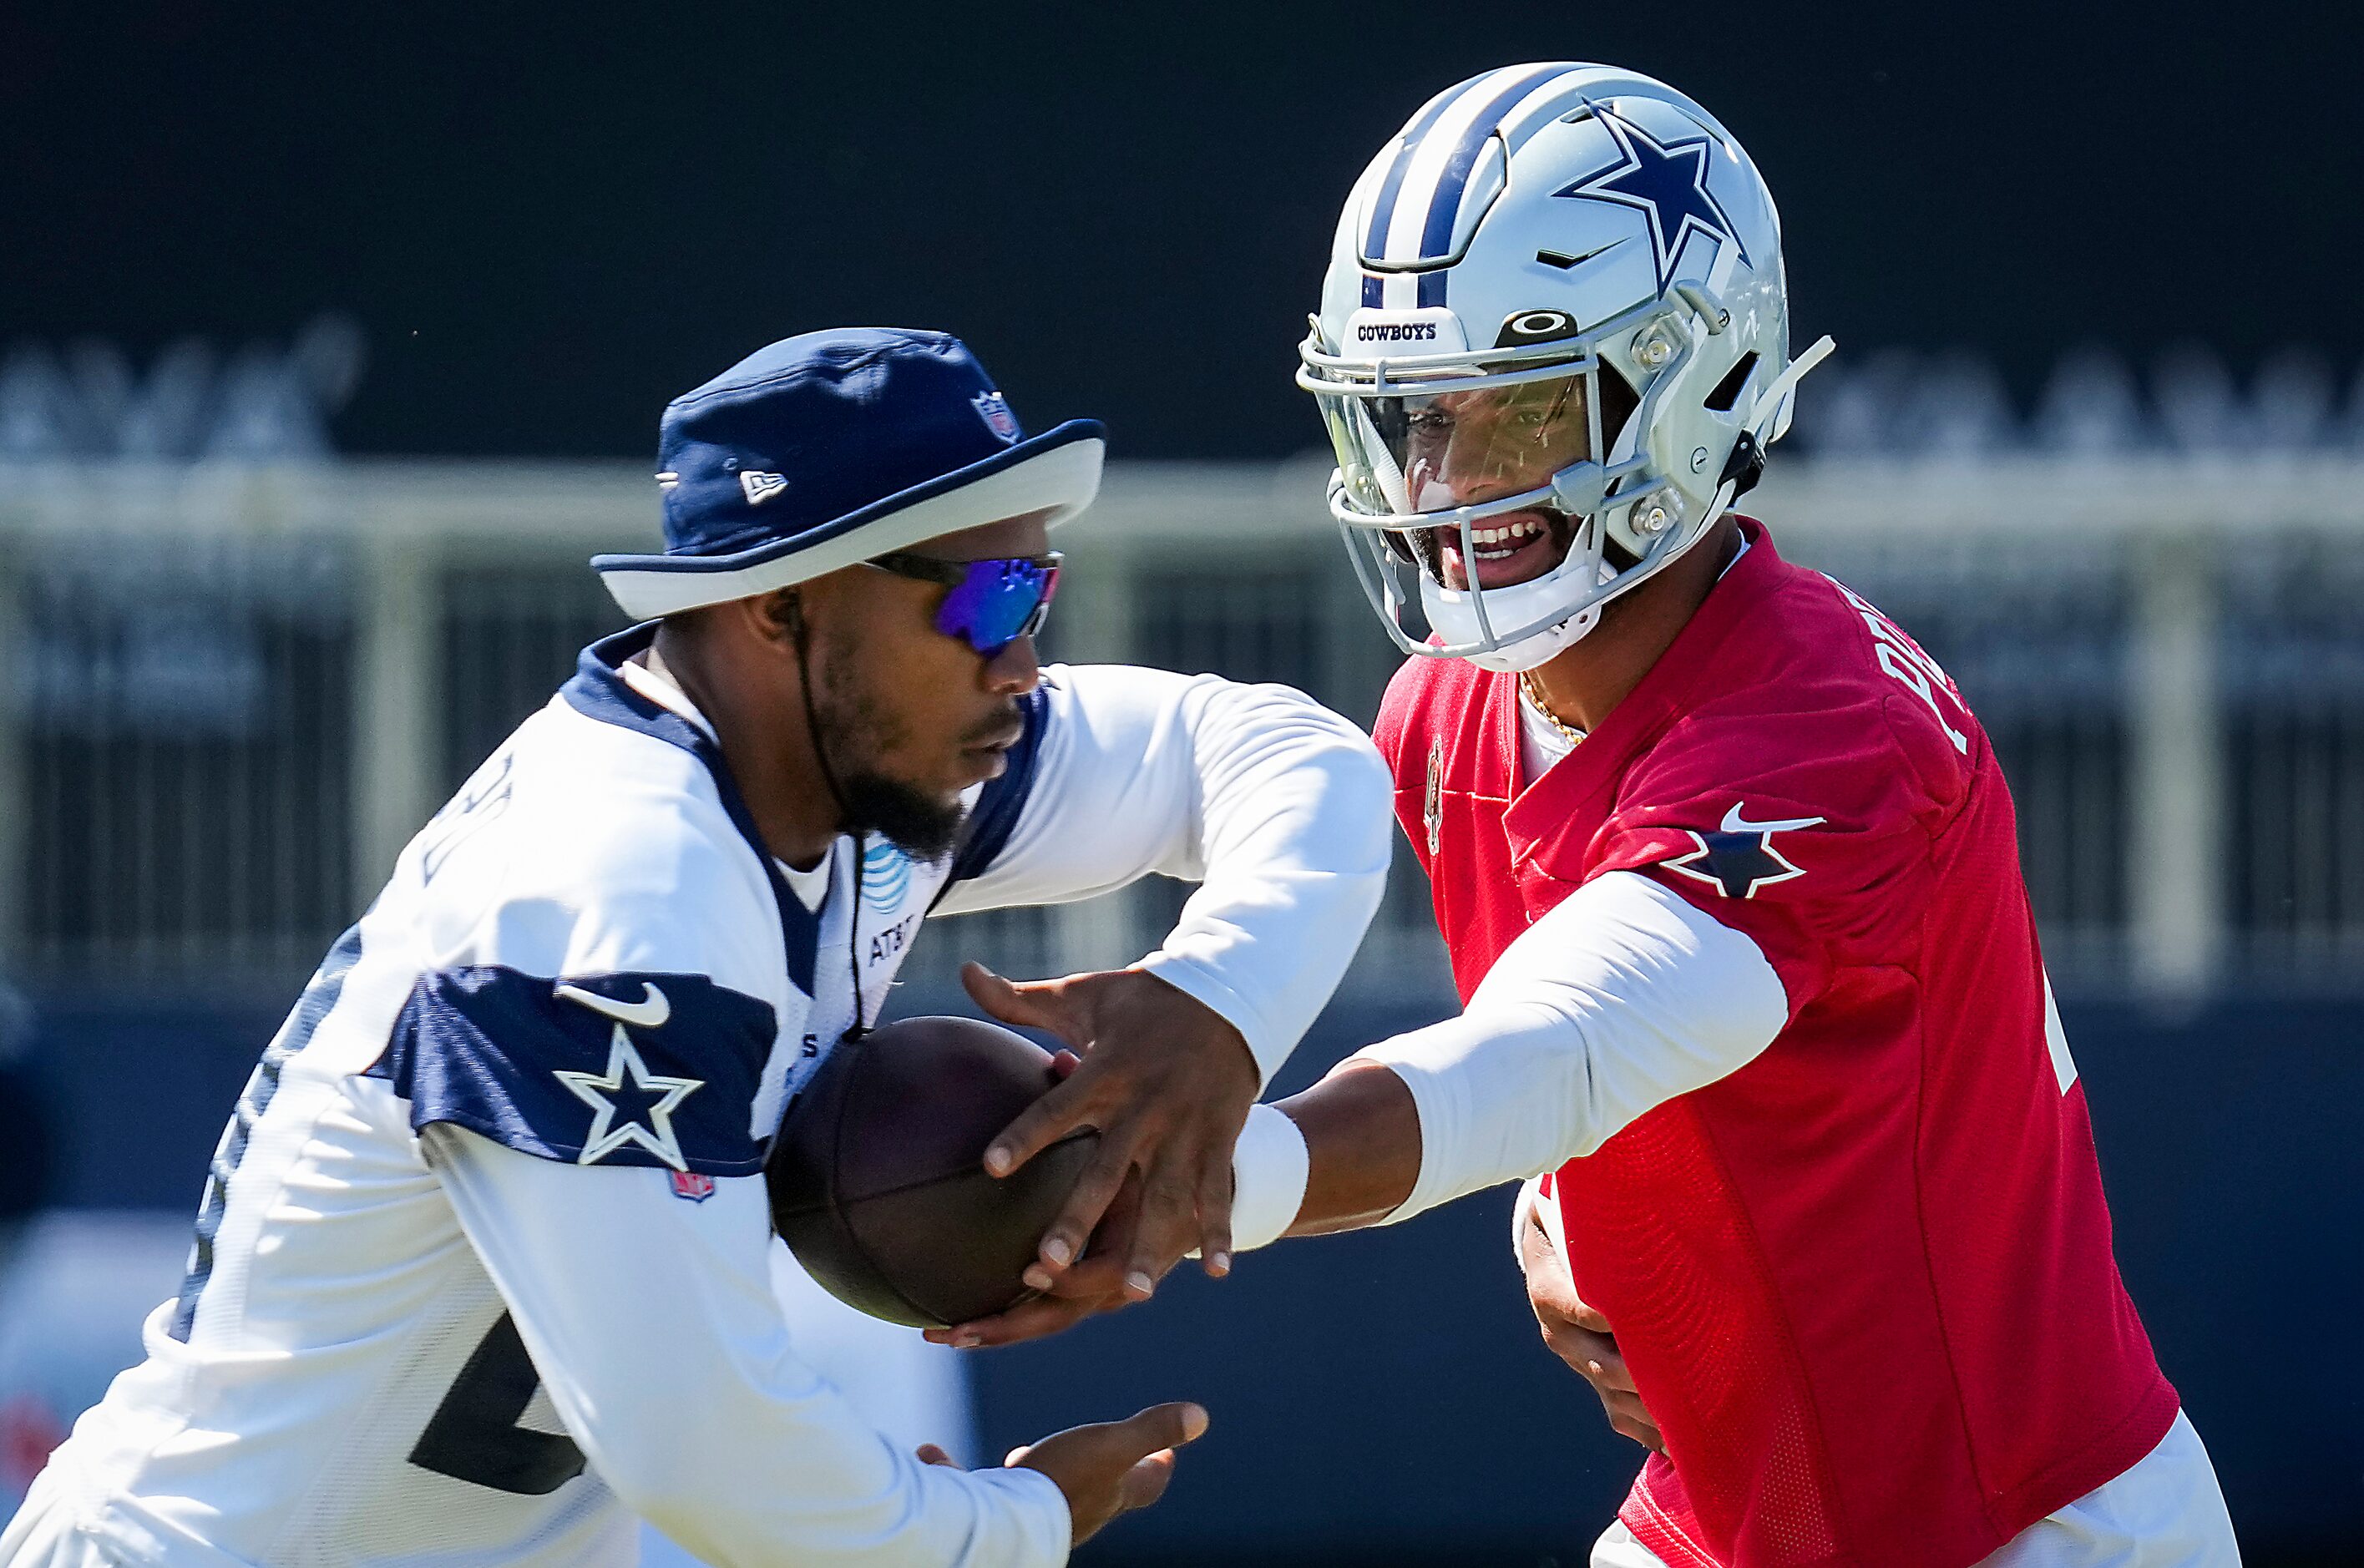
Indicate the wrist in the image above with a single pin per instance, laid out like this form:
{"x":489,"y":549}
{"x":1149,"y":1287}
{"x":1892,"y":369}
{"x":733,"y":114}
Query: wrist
{"x":1270,"y":1165}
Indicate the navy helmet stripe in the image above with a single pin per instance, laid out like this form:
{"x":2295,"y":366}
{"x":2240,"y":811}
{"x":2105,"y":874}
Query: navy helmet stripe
{"x":1445,"y":202}
{"x":1383,"y":207}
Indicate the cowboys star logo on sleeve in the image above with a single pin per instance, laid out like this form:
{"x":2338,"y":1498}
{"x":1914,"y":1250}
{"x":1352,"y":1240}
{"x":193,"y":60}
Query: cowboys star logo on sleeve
{"x":1739,"y":858}
{"x":629,"y":1103}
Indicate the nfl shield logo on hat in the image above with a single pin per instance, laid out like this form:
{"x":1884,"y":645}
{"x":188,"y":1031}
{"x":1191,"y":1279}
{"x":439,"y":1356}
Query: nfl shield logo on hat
{"x":994,"y":410}
{"x":695,"y":1186}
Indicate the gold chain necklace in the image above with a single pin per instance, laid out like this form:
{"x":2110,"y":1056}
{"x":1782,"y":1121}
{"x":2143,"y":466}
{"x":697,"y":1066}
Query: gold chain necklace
{"x":1529,"y":684}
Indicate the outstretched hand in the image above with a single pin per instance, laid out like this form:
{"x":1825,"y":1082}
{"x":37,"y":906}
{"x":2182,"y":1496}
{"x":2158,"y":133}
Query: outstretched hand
{"x":1107,"y":1470}
{"x":1116,"y":1467}
{"x":1167,"y":1081}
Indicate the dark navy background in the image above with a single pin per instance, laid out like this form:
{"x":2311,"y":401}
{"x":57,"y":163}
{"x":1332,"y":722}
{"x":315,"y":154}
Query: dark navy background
{"x":1383,"y":1397}
{"x":550,"y":219}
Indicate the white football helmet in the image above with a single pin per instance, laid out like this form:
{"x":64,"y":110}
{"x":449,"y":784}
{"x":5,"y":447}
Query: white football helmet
{"x":1553,"y":347}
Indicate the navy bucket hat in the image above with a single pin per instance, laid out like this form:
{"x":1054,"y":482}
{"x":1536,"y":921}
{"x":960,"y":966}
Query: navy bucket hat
{"x":828,"y":448}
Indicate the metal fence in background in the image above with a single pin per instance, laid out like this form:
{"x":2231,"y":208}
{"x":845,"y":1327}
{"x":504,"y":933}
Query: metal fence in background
{"x":240,"y":689}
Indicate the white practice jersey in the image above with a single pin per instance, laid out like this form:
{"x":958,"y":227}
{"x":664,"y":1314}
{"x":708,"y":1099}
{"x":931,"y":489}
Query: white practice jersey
{"x":481,"y":1269}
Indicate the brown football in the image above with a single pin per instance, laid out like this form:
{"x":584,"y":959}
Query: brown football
{"x":877,"y":1180}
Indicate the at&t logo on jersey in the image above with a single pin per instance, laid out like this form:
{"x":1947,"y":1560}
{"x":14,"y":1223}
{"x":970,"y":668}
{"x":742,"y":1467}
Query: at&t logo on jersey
{"x":885,"y":876}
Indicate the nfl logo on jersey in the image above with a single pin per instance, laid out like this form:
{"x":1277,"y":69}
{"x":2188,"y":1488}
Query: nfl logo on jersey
{"x":695,"y":1186}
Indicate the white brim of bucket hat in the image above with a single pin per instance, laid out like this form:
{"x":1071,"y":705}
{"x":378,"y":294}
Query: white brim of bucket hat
{"x":1060,"y":474}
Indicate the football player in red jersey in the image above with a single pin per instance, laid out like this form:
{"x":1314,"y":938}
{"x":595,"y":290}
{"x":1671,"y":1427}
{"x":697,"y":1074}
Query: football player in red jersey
{"x":1729,"y":873}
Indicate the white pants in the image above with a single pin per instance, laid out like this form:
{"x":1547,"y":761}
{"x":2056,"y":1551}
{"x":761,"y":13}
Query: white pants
{"x":2165,"y":1512}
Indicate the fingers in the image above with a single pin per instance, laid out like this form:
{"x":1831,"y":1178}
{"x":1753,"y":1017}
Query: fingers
{"x":1585,"y":1316}
{"x":1608,"y":1371}
{"x":930,"y":1454}
{"x":1106,"y":1470}
{"x":1100,"y":1270}
{"x":1088,"y":1201}
{"x":1550,"y":1287}
{"x":1145,"y":1482}
{"x":1100,"y":1273}
{"x":1595,"y":1356}
{"x":1035,"y":1319}
{"x":1214,"y":1206}
{"x":1168,"y":1225}
{"x":1549,"y":1290}
{"x":1031,"y":1004}
{"x":1581,"y":1348}
{"x":1159,"y":1427}
{"x":1628,"y":1419}
{"x":1040,"y":1125}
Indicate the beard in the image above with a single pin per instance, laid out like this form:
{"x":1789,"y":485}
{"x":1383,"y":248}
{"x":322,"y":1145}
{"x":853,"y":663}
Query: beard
{"x":853,"y":732}
{"x":919,"y":824}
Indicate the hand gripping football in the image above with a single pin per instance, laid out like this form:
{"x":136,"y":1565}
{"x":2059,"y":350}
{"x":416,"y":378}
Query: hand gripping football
{"x":878,"y":1178}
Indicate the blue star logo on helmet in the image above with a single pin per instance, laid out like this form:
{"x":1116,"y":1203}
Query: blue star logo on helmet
{"x":1667,"y":182}
{"x":885,"y":876}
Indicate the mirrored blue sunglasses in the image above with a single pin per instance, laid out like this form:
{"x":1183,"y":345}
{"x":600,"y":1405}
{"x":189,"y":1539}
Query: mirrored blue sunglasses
{"x":993,"y":602}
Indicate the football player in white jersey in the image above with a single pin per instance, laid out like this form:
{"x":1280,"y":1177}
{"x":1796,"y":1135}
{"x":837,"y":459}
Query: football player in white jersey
{"x":481,"y":1270}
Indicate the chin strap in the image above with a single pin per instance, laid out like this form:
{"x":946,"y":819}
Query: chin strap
{"x":1746,"y":464}
{"x":861,"y":839}
{"x":812,"y":716}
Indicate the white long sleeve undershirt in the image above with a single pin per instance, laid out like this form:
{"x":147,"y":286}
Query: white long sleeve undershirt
{"x":678,"y":1316}
{"x":1617,"y":1000}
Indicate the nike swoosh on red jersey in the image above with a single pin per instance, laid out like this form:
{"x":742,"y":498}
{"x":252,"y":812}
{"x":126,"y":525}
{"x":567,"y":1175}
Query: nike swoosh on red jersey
{"x":1736,"y":823}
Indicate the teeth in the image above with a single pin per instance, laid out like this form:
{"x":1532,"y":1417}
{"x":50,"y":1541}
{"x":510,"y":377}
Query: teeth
{"x":1521,"y":530}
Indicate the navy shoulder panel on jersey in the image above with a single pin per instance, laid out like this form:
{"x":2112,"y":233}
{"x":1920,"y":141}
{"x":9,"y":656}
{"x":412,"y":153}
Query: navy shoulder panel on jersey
{"x":601,"y":1069}
{"x":995,"y":815}
{"x":598,"y":690}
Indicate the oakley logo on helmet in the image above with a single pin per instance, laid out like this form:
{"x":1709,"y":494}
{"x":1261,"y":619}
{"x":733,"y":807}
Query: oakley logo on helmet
{"x":760,"y":487}
{"x":1535,"y":327}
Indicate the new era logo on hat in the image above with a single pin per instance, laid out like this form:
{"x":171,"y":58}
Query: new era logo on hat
{"x":830,"y":448}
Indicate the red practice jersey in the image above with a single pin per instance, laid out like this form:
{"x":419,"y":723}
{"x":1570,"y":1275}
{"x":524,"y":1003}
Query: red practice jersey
{"x":1865,"y":1281}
